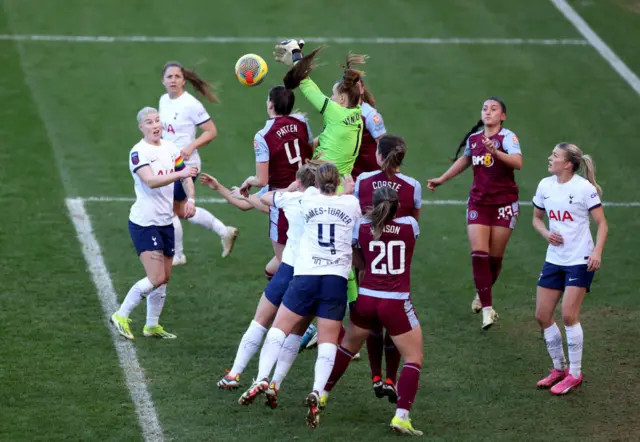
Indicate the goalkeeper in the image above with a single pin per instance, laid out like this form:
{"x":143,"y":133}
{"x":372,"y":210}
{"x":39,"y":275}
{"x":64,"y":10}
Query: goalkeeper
{"x":339,"y":142}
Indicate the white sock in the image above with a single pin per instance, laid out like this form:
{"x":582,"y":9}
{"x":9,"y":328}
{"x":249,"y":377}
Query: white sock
{"x":402,"y":413}
{"x":155,"y":303}
{"x":177,"y":231}
{"x":138,"y":291}
{"x":324,"y":365}
{"x":205,"y":219}
{"x":249,"y":345}
{"x":574,"y":342}
{"x":553,"y":339}
{"x":287,"y":356}
{"x":270,"y":351}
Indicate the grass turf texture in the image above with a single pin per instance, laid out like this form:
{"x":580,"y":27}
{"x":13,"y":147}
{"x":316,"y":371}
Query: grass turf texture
{"x":73,"y":105}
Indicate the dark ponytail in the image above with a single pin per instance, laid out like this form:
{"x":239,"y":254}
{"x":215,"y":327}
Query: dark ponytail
{"x":478,"y":125}
{"x":301,"y":69}
{"x":283,"y":100}
{"x":463,"y":143}
{"x":367,"y":96}
{"x":385,"y":207}
{"x":392,"y":149}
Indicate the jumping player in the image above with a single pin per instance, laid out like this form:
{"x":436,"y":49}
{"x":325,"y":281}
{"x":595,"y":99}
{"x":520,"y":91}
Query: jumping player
{"x":339,"y":141}
{"x":385,"y":250}
{"x":492,"y":210}
{"x":181,"y":113}
{"x":281,"y":148}
{"x":155,"y":165}
{"x":319,"y":285}
{"x":389,"y":155}
{"x":572,"y":259}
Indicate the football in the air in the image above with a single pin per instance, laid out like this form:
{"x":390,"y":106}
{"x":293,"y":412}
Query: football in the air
{"x":251,"y":70}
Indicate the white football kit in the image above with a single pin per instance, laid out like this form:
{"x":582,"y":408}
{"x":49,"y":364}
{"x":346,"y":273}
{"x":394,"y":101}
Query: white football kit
{"x":179,"y":118}
{"x":326,"y":243}
{"x":153,"y":207}
{"x":568,"y":206}
{"x":291,"y":204}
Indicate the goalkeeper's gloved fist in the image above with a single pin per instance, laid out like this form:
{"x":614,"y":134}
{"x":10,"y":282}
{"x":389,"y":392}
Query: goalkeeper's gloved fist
{"x":289,"y":51}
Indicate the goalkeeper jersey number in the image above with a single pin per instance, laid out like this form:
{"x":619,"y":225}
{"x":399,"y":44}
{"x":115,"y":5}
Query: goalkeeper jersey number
{"x":340,"y":139}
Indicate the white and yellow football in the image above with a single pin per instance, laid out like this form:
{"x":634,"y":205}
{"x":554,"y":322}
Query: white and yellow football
{"x":251,"y":70}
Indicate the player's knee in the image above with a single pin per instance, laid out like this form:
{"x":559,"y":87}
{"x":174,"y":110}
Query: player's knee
{"x":569,"y":318}
{"x":544,"y":318}
{"x":414,"y":357}
{"x":158,"y":278}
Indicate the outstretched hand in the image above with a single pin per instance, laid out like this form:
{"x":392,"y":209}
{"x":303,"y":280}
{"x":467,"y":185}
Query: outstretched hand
{"x":433,"y":183}
{"x":208,"y":180}
{"x":288,"y":51}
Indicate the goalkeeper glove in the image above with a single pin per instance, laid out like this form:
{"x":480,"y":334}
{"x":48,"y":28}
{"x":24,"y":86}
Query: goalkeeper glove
{"x":289,"y":51}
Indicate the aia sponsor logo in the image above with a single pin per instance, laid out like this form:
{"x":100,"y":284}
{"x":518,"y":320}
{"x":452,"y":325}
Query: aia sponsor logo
{"x":560,"y":215}
{"x":165,"y":172}
{"x":168,"y":128}
{"x":485,"y":160}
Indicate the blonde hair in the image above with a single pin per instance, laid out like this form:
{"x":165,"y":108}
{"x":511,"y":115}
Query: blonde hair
{"x":307,"y":176}
{"x":327,"y":178}
{"x":142,"y":114}
{"x":577,"y":158}
{"x":385,"y":207}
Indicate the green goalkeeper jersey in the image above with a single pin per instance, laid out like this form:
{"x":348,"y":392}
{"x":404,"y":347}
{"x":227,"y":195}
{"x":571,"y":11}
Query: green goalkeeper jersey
{"x":340,"y":139}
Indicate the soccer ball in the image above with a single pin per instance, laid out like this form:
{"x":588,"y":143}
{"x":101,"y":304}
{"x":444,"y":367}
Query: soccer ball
{"x":251,"y":70}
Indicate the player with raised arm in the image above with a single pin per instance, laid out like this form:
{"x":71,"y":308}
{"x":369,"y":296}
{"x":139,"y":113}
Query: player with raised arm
{"x":339,"y":141}
{"x":373,"y":131}
{"x":155,"y":165}
{"x":572,"y":259}
{"x":319,"y":285}
{"x":233,"y":195}
{"x":384,"y":248}
{"x":281,"y":148}
{"x":181,"y":114}
{"x":389,"y":155}
{"x":274,"y":291}
{"x":492,"y":210}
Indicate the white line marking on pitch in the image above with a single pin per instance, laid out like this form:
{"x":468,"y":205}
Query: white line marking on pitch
{"x":616,"y":63}
{"x":127,"y":199}
{"x":133,"y":373}
{"x":337,"y":40}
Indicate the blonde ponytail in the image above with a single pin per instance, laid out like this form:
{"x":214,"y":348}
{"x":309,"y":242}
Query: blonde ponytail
{"x":590,"y":172}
